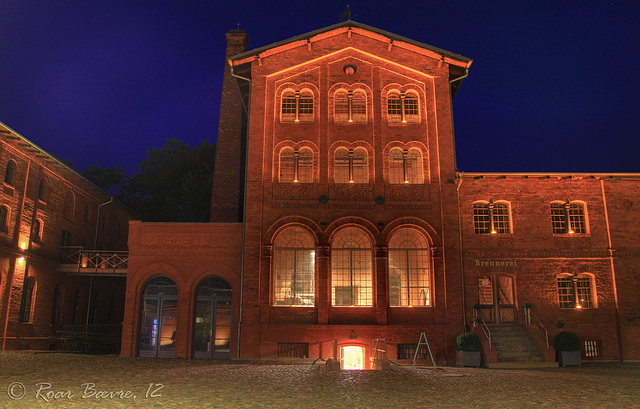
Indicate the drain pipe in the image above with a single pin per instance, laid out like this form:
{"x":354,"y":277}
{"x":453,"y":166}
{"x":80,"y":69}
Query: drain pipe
{"x":464,"y":314}
{"x":246,"y":108}
{"x":95,"y":245}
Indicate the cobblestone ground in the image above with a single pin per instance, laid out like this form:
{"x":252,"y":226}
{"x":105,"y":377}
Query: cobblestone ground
{"x":33,"y":380}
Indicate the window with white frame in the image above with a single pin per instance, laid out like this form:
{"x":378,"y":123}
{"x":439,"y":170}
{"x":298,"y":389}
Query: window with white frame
{"x":492,"y":218}
{"x":296,"y":106}
{"x":405,"y":166}
{"x":296,"y":165}
{"x":409,"y":263}
{"x":351,"y":166}
{"x":576,"y":291}
{"x":568,"y":217}
{"x":403,"y":107}
{"x":351,"y":269}
{"x":294,"y":268}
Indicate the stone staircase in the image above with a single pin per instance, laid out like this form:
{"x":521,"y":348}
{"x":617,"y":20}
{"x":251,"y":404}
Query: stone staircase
{"x":515,"y":349}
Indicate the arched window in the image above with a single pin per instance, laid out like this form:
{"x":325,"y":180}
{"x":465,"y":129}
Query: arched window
{"x":294,"y":268}
{"x":409,"y":263}
{"x":4,"y":218}
{"x":490,"y":217}
{"x":27,"y":298}
{"x":411,"y":112}
{"x":351,"y":166}
{"x":36,"y":231}
{"x":296,"y":106}
{"x":394,"y":107}
{"x":158,"y":318}
{"x":576,"y":291}
{"x":350,"y":106}
{"x":296,"y":166}
{"x":41,"y":190}
{"x":8,"y":174}
{"x":568,"y":217}
{"x":403,"y":107}
{"x":56,"y":307}
{"x":351,"y":269}
{"x":405,"y":166}
{"x":577,"y":218}
{"x":69,"y":206}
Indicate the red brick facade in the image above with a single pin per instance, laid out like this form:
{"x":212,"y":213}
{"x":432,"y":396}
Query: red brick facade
{"x":350,"y":157}
{"x":41,"y":199}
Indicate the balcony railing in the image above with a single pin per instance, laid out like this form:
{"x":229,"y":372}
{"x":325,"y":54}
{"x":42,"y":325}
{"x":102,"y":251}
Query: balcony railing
{"x":77,"y":260}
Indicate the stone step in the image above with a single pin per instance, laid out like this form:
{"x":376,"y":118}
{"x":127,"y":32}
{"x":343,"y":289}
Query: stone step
{"x":521,"y":365}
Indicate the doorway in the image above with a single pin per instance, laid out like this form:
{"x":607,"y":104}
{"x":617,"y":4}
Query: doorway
{"x":158,"y":318}
{"x":496,"y":295}
{"x":352,"y":358}
{"x":212,"y":326}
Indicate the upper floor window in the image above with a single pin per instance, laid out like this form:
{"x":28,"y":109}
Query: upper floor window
{"x":351,"y":269}
{"x":576,"y":291}
{"x":491,"y":217}
{"x":568,"y":217}
{"x":294,"y":268}
{"x":408,"y":269}
{"x":297,"y":106}
{"x":8,"y":174}
{"x":36,"y":231}
{"x":4,"y":218}
{"x":56,"y":307}
{"x":351,"y":166}
{"x":41,"y":190}
{"x":350,"y":106}
{"x":69,"y":206}
{"x":27,"y":298}
{"x":296,"y":165}
{"x":405,"y":166}
{"x":403,"y":107}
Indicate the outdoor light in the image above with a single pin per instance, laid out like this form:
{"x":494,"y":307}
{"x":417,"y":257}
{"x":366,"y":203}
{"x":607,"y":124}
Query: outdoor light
{"x":21,"y":260}
{"x":353,"y":335}
{"x":494,"y":231}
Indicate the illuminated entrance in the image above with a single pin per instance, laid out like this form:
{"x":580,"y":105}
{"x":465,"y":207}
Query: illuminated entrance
{"x":158,"y":318}
{"x":352,"y":358}
{"x":212,"y":326}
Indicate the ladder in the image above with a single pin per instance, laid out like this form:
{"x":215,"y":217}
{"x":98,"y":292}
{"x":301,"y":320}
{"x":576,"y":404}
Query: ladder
{"x":423,"y":341}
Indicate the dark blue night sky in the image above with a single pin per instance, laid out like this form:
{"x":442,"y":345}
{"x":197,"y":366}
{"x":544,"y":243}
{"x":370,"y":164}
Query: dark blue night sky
{"x":552,"y":87}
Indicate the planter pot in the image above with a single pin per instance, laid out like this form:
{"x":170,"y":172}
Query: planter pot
{"x":569,"y":358}
{"x":469,"y":358}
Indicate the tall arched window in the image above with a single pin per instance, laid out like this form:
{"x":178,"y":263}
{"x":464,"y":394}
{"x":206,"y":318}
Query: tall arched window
{"x":405,"y":166}
{"x":8,"y":174}
{"x":351,"y":166}
{"x":56,"y":307}
{"x":350,"y":106}
{"x":351,"y":269}
{"x":294,"y":268}
{"x":296,"y":165}
{"x":287,"y":166}
{"x":41,"y":190}
{"x":36,"y":231}
{"x":4,"y":218}
{"x":27,"y":298}
{"x":409,"y":264}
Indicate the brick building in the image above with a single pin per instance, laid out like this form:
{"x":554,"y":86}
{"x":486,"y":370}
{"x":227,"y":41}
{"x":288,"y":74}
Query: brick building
{"x":49,"y":215}
{"x":342,"y":218}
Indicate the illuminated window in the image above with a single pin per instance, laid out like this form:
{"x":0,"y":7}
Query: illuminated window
{"x":297,"y":106}
{"x":351,"y":166}
{"x":350,"y":106}
{"x":405,"y":166}
{"x":568,"y":217}
{"x":4,"y":218}
{"x":294,"y":268}
{"x":56,"y":308}
{"x":402,"y":107}
{"x":8,"y":175}
{"x":491,"y":218}
{"x":351,"y":269}
{"x":576,"y":291}
{"x":408,"y":269}
{"x":27,"y":298}
{"x":296,"y":165}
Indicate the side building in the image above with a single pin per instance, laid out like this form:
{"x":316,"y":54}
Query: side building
{"x":53,"y":223}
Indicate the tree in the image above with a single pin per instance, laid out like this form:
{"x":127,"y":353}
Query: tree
{"x":107,"y":179}
{"x":173,"y":184}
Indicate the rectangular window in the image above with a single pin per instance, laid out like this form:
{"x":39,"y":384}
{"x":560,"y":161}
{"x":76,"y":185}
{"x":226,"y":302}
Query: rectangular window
{"x":592,"y":348}
{"x":408,"y":351}
{"x":583,"y":288}
{"x":558,"y":218}
{"x":565,"y":292}
{"x":293,"y":349}
{"x":501,"y":218}
{"x":577,"y":218}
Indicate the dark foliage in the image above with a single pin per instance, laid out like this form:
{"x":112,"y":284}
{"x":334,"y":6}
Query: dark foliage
{"x":566,"y":341}
{"x":468,"y":341}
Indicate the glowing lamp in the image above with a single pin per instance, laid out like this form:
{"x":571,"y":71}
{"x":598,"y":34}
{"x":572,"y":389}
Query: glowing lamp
{"x":21,"y":260}
{"x":353,"y":335}
{"x":579,"y":306}
{"x":571,"y":232}
{"x":494,"y":231}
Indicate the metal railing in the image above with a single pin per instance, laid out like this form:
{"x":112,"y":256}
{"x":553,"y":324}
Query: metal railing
{"x":483,"y":325}
{"x":91,"y":338}
{"x":93,"y":259}
{"x":528,"y":317}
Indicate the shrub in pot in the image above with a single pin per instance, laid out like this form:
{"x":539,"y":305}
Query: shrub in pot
{"x":567,"y":345}
{"x":468,"y":346}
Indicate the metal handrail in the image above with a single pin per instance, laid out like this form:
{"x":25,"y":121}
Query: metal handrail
{"x":483,"y":326}
{"x":527,"y":318}
{"x":94,"y":259}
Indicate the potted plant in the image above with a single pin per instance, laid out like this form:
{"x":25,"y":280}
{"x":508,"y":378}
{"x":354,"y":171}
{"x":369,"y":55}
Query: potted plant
{"x":567,"y":345}
{"x":468,"y":349}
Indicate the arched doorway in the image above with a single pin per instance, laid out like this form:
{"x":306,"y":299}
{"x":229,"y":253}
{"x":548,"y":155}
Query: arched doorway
{"x":212,"y":326}
{"x":158,"y":318}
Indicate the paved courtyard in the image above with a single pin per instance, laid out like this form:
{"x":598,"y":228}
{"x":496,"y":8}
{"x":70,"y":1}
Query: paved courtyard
{"x":33,"y":380}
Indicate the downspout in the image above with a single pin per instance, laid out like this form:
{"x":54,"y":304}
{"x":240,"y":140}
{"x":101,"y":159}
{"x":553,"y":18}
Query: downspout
{"x":95,"y":247}
{"x":613,"y":271}
{"x":246,"y":108}
{"x":12,"y":266}
{"x":459,"y":183}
